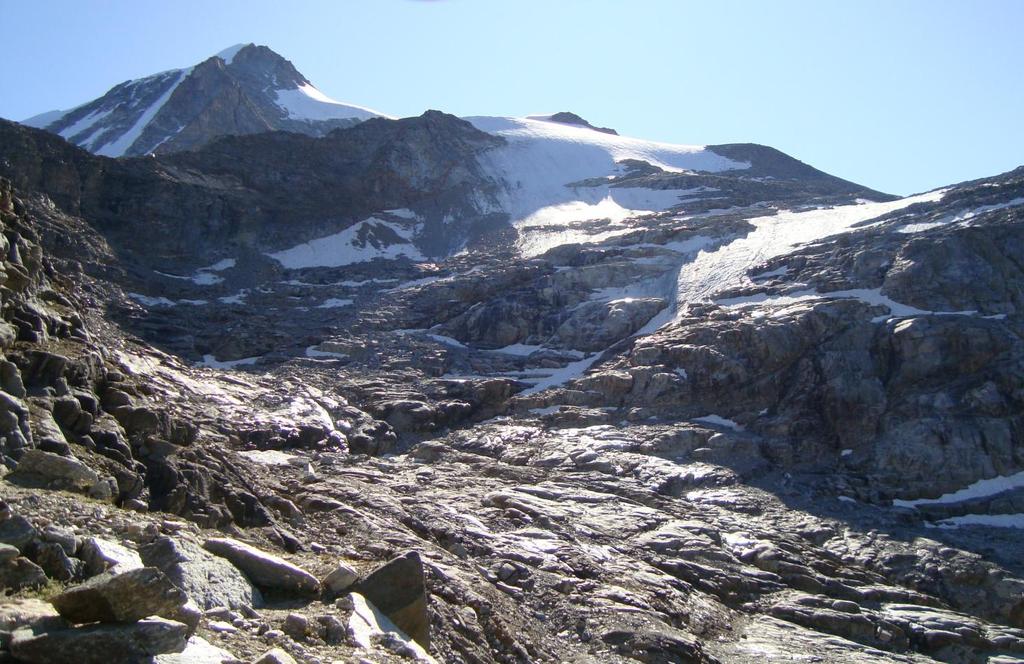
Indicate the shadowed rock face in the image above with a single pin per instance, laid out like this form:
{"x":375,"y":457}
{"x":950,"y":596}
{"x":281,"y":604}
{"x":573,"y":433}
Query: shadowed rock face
{"x":609,"y":451}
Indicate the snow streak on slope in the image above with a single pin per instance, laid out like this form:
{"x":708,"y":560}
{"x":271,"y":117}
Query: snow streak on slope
{"x":119,"y":146}
{"x":308,"y":103}
{"x":365,"y":241}
{"x":541,"y":158}
{"x":726,"y":267}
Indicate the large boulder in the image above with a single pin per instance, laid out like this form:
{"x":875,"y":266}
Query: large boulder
{"x":397,"y":588}
{"x":55,"y":468}
{"x":101,"y":643}
{"x":121,"y":597}
{"x":210,"y":580}
{"x":21,"y":573}
{"x":266,"y":570}
{"x":101,"y":555}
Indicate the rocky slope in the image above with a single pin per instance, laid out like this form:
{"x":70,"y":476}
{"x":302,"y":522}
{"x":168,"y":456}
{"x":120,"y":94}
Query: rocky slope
{"x":246,"y":89}
{"x":384,"y":396}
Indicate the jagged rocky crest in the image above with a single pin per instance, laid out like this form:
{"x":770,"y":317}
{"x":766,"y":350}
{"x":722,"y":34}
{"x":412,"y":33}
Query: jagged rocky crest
{"x":385,"y":394}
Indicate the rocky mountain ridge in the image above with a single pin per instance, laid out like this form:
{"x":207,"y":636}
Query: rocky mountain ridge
{"x":402,"y":392}
{"x":245,"y":89}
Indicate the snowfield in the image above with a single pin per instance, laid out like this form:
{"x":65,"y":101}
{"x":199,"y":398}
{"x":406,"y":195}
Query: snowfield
{"x":364,"y":241}
{"x":727,"y":266}
{"x":542,"y":157}
{"x":307,"y":103}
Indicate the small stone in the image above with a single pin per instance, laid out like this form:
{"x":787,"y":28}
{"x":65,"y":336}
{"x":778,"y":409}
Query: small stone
{"x":296,"y":626}
{"x":275,"y":656}
{"x":222,"y":627}
{"x":8,"y":552}
{"x":17,"y":531}
{"x":101,"y":555}
{"x":21,"y":573}
{"x":333,"y":629}
{"x":339,"y":580}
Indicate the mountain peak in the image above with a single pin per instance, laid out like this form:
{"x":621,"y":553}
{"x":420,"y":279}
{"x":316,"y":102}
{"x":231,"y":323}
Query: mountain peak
{"x":243,"y":89}
{"x":228,"y":54}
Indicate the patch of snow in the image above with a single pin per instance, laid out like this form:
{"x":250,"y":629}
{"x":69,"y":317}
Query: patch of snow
{"x":220,"y":266}
{"x":313,"y":351}
{"x":364,"y":241}
{"x":996,"y":520}
{"x":228,"y":54}
{"x":545,"y":411}
{"x":869,"y":295}
{"x":846,"y":499}
{"x":541,"y":159}
{"x":561,"y":376}
{"x":447,"y":341}
{"x":212,"y":362}
{"x":308,"y":103}
{"x":846,"y":453}
{"x":84,"y":123}
{"x":237,"y":298}
{"x":681,"y":373}
{"x":423,"y":281}
{"x":959,"y":218}
{"x":777,"y":272}
{"x":205,"y":279}
{"x":269,"y":457}
{"x":726,"y":267}
{"x":121,"y":144}
{"x":980,"y":489}
{"x":522,"y":350}
{"x":718,"y":420}
{"x":402,"y":213}
{"x":334,"y":303}
{"x":152,"y":301}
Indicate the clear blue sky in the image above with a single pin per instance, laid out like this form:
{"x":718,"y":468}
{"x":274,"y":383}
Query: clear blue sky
{"x":899,"y":95}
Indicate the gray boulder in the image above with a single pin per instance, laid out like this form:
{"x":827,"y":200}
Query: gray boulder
{"x":265,"y":570}
{"x":21,"y":573}
{"x":121,"y":597}
{"x":397,"y":588}
{"x":56,"y":468}
{"x":209,"y":580}
{"x":100,"y":644}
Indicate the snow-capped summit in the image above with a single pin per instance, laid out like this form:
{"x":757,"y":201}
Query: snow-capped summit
{"x":243,"y":89}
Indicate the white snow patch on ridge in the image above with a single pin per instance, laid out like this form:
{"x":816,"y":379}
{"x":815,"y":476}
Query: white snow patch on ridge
{"x":119,"y":146}
{"x":307,"y":103}
{"x":960,"y":218}
{"x":540,"y":158}
{"x":726,"y":267}
{"x":980,"y":489}
{"x":228,"y":54}
{"x":362,"y":242}
{"x":869,"y":295}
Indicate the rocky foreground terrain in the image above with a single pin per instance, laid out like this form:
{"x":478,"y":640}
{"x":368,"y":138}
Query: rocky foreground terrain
{"x":780,"y":419}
